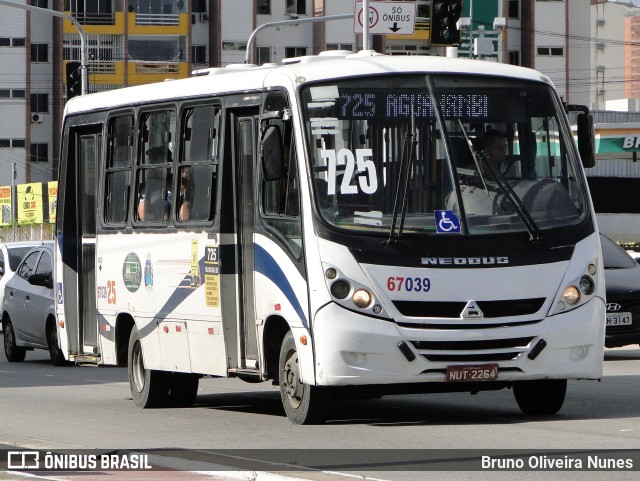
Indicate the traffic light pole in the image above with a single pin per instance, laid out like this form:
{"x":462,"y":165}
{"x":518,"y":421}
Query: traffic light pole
{"x":83,"y":37}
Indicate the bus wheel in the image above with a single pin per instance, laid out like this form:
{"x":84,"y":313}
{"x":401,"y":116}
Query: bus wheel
{"x":149,"y":388}
{"x":539,"y":398}
{"x":303,"y":403}
{"x":55,"y":353}
{"x":183,"y":389}
{"x":13,"y":352}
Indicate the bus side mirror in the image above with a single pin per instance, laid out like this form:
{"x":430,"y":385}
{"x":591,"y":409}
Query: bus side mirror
{"x":272,"y":154}
{"x":586,"y":140}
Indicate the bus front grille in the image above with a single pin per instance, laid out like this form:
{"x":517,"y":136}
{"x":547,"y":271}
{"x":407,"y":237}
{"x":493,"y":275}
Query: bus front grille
{"x":490,"y":350}
{"x":453,"y":310}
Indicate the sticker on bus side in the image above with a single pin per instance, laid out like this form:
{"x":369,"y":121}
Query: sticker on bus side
{"x":211,"y":276}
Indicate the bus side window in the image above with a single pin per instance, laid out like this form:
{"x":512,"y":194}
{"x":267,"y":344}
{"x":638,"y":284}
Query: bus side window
{"x":154,"y":182}
{"x":118,"y":169}
{"x":280,"y":195}
{"x":197,"y":170}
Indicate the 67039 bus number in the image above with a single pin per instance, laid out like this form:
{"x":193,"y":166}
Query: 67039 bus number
{"x":410,"y":284}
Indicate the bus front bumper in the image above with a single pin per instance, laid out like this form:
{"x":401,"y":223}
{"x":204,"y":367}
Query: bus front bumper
{"x":352,"y":349}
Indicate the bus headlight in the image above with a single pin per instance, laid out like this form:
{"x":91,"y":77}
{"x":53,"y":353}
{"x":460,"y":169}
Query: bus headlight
{"x":362,"y":298}
{"x":571,"y":295}
{"x":586,"y":285}
{"x":340,"y":289}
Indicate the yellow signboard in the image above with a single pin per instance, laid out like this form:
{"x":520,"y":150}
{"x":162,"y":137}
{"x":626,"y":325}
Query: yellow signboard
{"x":53,"y":200}
{"x":29,"y":200}
{"x":5,"y":205}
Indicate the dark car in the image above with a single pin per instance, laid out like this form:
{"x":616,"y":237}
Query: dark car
{"x":28,"y":309}
{"x":622,"y":279}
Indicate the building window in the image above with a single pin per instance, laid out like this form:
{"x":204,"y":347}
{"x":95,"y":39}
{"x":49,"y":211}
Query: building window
{"x":39,"y":152}
{"x":5,"y":42}
{"x":5,"y":143}
{"x":40,"y":3}
{"x":5,"y":93}
{"x":340,"y":46}
{"x":514,"y":57}
{"x":514,"y":8}
{"x":18,"y":93}
{"x":39,"y":103}
{"x":39,"y":52}
{"x":550,"y":51}
{"x":264,"y":55}
{"x":199,"y":6}
{"x":264,"y":7}
{"x":18,"y":143}
{"x":294,"y":52}
{"x":296,"y":7}
{"x":422,"y":9}
{"x":234,"y":46}
{"x":18,"y":42}
{"x":199,"y":54}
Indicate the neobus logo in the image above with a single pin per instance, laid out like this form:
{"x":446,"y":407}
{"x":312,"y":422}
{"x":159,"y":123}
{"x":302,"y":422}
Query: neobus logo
{"x":464,"y":261}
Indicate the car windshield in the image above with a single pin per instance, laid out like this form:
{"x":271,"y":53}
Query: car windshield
{"x":16,"y":254}
{"x":487,"y":155}
{"x":614,"y":256}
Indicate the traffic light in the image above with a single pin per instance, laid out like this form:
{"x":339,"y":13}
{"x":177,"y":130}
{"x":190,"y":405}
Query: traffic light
{"x":444,"y":16}
{"x":74,"y":80}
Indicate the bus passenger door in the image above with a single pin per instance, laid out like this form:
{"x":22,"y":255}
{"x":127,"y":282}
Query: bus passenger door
{"x":245,"y":145}
{"x":79,"y":238}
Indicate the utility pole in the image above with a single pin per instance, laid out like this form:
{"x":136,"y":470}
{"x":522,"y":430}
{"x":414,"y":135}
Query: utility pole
{"x":14,"y":199}
{"x":83,"y":36}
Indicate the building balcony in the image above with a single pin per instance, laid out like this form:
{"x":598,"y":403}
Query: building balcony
{"x":136,"y":24}
{"x":97,"y":24}
{"x":158,"y":24}
{"x":138,"y":72}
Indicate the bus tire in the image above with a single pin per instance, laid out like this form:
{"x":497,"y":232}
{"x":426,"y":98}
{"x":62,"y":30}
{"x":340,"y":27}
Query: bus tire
{"x":149,"y":388}
{"x":303,"y":403}
{"x":183,"y":389}
{"x":540,"y":398}
{"x":13,"y":352}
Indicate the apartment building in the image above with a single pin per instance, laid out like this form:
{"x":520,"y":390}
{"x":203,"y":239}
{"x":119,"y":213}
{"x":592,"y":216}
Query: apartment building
{"x":578,"y":44}
{"x":28,"y":103}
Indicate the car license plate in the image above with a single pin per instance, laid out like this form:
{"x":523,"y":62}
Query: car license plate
{"x":619,"y":319}
{"x":481,"y":372}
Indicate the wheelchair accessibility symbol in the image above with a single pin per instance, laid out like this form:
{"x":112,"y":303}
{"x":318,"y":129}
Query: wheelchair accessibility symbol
{"x":446,"y":222}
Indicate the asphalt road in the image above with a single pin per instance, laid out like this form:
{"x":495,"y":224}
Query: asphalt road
{"x":239,"y":431}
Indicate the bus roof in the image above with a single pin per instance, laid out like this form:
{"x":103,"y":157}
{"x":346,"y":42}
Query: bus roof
{"x":244,"y":78}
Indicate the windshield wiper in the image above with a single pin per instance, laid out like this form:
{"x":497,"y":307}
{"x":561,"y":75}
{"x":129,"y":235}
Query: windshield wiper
{"x":406,"y":164}
{"x":534,"y":231}
{"x":481,"y":161}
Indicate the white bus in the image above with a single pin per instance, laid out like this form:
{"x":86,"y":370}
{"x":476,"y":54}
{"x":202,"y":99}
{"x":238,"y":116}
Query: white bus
{"x":330,"y":225}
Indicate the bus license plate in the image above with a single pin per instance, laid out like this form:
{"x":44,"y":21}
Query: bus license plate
{"x":619,"y":319}
{"x":482,"y":372}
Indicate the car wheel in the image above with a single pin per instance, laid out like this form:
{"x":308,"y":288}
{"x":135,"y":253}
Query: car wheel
{"x":13,"y":352}
{"x":540,"y":398}
{"x":55,"y":353}
{"x":149,"y":388}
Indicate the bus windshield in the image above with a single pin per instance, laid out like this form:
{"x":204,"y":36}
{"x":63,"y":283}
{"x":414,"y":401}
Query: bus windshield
{"x":442,"y":154}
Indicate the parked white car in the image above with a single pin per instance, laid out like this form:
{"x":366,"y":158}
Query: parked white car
{"x":28,"y":309}
{"x":11,"y":253}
